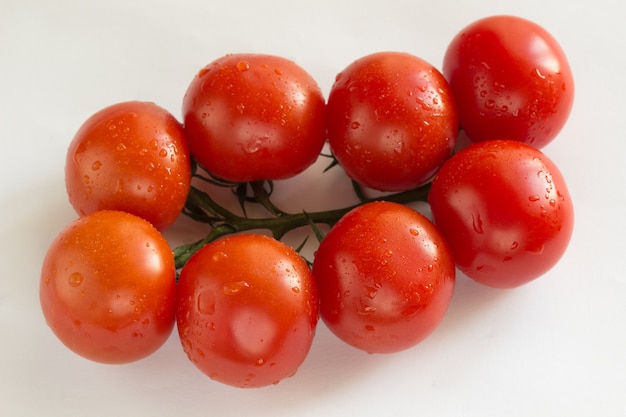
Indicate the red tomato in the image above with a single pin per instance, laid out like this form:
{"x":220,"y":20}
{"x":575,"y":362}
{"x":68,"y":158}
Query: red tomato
{"x":385,"y":277}
{"x":108,"y":287}
{"x":132,"y":157}
{"x":247,"y":310}
{"x":254,"y":117}
{"x":510,"y":79}
{"x":505,"y":210}
{"x":392,"y":120}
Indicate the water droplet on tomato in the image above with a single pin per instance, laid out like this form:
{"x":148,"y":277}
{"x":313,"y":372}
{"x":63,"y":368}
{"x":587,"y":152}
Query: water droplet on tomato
{"x":426,"y":106}
{"x":355,"y":125}
{"x":206,"y":302}
{"x":202,"y":72}
{"x":234,"y":287}
{"x":260,"y":362}
{"x":366,"y":309}
{"x":96,"y":165}
{"x":414,"y":232}
{"x":370,"y":328}
{"x":535,"y":249}
{"x":410,"y":310}
{"x":295,"y":290}
{"x":538,"y":73}
{"x":477,"y":224}
{"x":490,"y":104}
{"x":534,"y":198}
{"x":253,"y":146}
{"x":219,"y":256}
{"x":163,"y":153}
{"x":75,"y":279}
{"x":371,"y":292}
{"x":243,"y":66}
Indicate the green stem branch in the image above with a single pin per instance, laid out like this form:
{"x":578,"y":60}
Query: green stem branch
{"x":201,"y":207}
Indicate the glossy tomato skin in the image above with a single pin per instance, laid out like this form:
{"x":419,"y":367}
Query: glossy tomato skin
{"x":511,"y":79}
{"x":247,"y":310}
{"x":392,"y":120}
{"x":130,"y":156}
{"x":254,"y":117}
{"x":385,"y":277}
{"x":107,"y":287}
{"x":505,"y":210}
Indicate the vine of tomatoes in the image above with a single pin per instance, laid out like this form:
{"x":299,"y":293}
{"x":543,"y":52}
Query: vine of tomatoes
{"x":246,"y":304}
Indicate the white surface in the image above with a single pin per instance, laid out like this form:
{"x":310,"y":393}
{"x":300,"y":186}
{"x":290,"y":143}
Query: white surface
{"x":554,"y":347}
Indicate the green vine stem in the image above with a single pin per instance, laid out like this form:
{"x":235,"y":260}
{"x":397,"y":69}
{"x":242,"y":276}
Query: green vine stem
{"x":201,"y":207}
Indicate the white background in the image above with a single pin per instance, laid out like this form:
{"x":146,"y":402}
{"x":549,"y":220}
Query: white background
{"x":555,"y":347}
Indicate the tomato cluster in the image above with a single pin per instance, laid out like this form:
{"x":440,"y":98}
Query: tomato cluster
{"x":247,"y":305}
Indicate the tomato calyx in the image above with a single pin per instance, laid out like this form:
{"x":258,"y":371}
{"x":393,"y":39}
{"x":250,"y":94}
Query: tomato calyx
{"x":201,"y":207}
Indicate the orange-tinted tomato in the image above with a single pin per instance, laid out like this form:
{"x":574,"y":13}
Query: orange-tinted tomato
{"x":130,"y":156}
{"x":247,"y":309}
{"x":107,"y":287}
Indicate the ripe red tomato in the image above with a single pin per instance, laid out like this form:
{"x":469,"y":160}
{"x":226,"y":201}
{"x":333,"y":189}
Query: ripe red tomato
{"x":385,"y":277}
{"x":108,"y":287}
{"x":510,"y":79}
{"x":133,"y":157}
{"x":247,"y":310}
{"x":254,"y":117}
{"x":505,"y":210}
{"x":392,"y":120}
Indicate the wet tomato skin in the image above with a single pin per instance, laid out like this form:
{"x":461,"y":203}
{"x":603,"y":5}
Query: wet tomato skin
{"x":130,"y":156}
{"x":107,"y":287}
{"x":247,"y":310}
{"x":510,"y":79}
{"x":385,"y":277}
{"x":252,"y":117}
{"x":505,"y":210}
{"x":392,"y":120}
